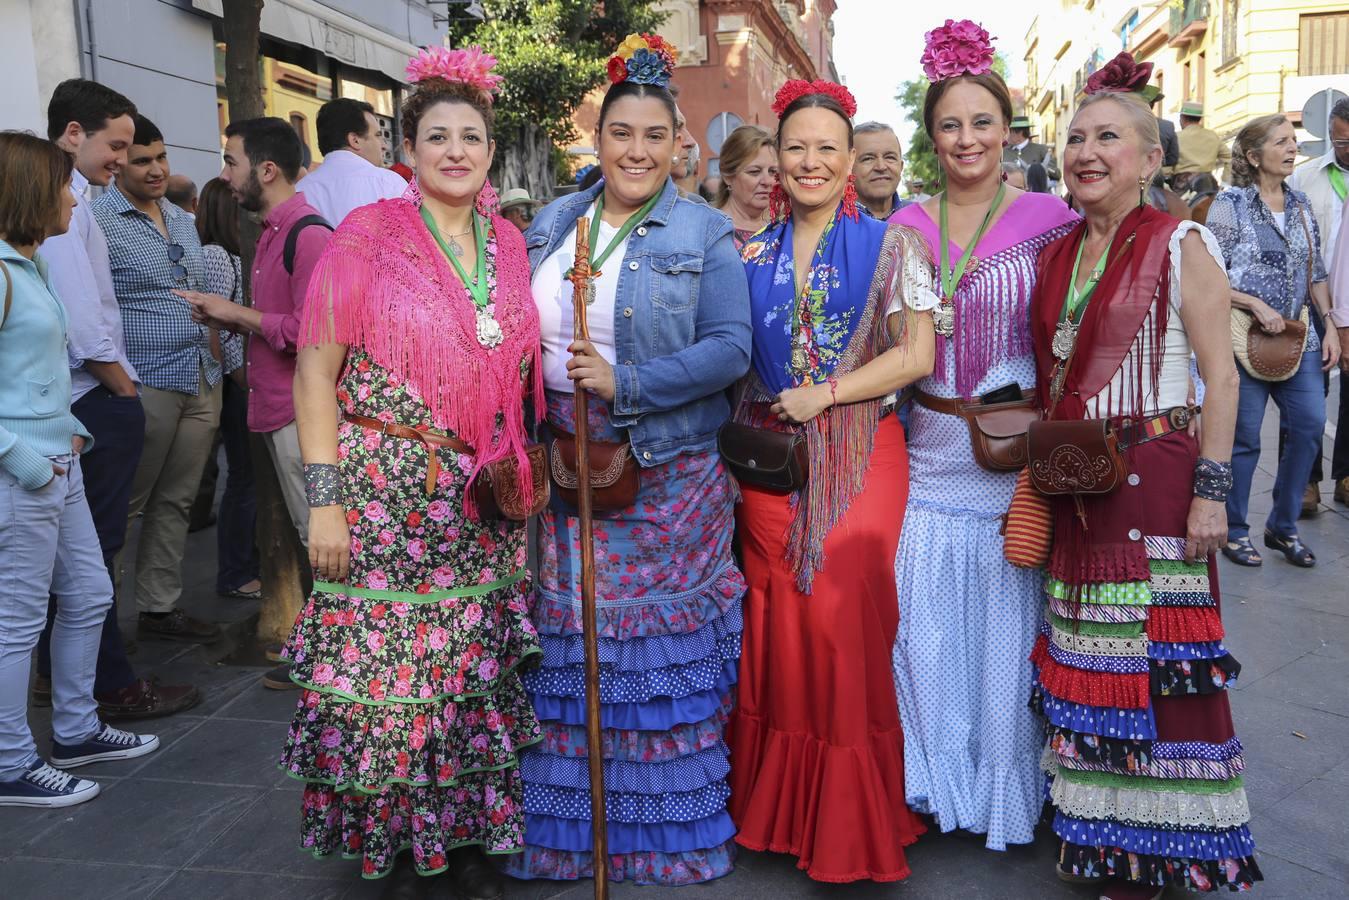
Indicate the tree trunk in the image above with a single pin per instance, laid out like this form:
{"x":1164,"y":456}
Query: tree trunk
{"x":526,"y":162}
{"x":283,"y":570}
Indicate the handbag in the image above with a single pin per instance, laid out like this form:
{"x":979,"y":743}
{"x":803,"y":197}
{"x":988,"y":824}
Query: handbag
{"x":997,"y":430}
{"x":1028,"y":527}
{"x":772,"y":460}
{"x":499,"y":490}
{"x":1274,"y":357}
{"x":614,"y":474}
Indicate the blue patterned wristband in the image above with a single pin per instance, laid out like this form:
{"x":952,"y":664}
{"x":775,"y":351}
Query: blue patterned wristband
{"x":1212,"y":480}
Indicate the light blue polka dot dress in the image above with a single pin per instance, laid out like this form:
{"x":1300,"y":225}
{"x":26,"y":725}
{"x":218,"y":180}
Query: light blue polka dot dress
{"x":968,"y":619}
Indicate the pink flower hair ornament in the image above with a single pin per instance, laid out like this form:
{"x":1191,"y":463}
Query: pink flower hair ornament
{"x":797,"y":88}
{"x":1122,"y":75}
{"x":471,"y":66}
{"x":956,"y":49}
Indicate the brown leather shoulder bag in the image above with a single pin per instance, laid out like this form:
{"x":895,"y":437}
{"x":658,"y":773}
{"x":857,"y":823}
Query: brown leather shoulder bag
{"x":773,"y":460}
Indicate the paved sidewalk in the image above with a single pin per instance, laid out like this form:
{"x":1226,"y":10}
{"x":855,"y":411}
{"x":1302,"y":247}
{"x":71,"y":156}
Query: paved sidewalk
{"x":209,"y":815}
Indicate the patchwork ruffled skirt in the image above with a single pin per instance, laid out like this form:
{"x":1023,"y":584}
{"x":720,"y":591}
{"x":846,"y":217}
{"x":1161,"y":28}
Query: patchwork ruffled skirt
{"x":668,"y":608}
{"x":1144,"y":766}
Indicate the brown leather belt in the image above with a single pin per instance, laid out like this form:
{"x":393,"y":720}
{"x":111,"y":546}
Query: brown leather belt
{"x":951,"y":406}
{"x":431,"y":440}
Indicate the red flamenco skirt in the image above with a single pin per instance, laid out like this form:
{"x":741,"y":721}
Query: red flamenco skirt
{"x":817,"y":754}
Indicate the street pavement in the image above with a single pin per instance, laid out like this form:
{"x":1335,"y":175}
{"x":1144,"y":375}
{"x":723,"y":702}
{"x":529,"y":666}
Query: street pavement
{"x":209,"y":815}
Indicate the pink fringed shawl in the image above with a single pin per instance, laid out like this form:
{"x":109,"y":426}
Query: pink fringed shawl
{"x":385,"y":286}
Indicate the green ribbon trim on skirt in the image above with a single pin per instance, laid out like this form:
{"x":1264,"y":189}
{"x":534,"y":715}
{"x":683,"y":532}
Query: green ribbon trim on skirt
{"x":476,"y":590}
{"x":1097,"y":629}
{"x":1142,"y":783}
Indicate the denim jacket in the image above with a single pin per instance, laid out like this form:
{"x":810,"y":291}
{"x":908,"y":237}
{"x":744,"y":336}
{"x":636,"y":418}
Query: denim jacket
{"x":681,"y":320}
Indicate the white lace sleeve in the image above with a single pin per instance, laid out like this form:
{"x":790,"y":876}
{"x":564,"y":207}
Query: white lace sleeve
{"x":916,"y":288}
{"x":1210,"y":243}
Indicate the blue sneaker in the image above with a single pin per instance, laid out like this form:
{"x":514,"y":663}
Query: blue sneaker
{"x":44,"y":786}
{"x":107,"y":744}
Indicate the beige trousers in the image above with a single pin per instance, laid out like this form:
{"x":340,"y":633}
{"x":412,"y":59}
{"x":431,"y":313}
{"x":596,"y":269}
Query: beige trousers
{"x":283,"y":445}
{"x":179,"y":434}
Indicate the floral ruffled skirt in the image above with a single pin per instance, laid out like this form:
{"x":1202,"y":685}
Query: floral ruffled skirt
{"x":412,"y":712}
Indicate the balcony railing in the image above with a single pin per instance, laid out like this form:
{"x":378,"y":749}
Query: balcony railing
{"x":1189,"y":19}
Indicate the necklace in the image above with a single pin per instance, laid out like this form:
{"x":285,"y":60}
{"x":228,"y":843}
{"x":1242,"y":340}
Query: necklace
{"x":944,"y":316}
{"x":1065,"y":336}
{"x":629,"y":224}
{"x":455,"y":247}
{"x":489,"y":330}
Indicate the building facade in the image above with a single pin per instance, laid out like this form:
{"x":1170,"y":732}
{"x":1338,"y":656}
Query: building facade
{"x":733,"y":56}
{"x":1239,"y":58}
{"x":167,"y":56}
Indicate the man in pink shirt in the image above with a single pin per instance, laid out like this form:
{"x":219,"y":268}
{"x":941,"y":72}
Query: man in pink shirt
{"x":262,"y":164}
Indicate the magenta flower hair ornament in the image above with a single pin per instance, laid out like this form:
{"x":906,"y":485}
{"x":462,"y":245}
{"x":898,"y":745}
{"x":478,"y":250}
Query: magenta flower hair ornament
{"x":470,"y":65}
{"x":955,"y":49}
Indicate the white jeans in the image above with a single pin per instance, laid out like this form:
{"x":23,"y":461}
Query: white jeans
{"x":48,"y":545}
{"x":283,"y":445}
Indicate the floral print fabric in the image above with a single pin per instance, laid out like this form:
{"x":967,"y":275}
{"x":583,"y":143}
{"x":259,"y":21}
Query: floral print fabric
{"x":412,"y":713}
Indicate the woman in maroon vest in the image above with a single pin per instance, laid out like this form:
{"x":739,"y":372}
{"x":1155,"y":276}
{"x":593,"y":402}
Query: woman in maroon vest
{"x":1132,"y":673}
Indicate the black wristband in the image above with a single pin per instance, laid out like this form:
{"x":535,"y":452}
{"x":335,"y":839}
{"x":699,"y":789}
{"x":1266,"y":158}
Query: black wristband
{"x":320,"y":485}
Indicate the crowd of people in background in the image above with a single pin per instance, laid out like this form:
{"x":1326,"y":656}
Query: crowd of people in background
{"x":825,"y":666}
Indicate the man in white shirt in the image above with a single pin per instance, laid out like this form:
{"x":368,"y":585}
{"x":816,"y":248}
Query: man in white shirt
{"x":352,"y":173}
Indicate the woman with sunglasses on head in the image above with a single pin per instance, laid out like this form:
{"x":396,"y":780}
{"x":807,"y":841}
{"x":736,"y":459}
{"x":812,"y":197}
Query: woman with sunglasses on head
{"x":1131,"y":670}
{"x":418,"y":318}
{"x":967,"y":617}
{"x":841,"y":312}
{"x":669,"y":332}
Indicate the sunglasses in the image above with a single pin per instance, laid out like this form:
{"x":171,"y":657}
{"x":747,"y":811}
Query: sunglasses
{"x":178,"y":270}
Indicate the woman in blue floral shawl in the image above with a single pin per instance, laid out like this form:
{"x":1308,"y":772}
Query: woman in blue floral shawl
{"x":840,"y":313}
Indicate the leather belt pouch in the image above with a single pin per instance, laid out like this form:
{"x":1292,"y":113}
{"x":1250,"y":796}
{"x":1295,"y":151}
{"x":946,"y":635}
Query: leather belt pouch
{"x":773,"y":460}
{"x":614,"y":474}
{"x":1080,"y":456}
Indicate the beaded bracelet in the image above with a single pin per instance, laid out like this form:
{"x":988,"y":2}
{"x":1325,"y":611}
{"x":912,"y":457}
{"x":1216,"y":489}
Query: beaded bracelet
{"x":320,"y":484}
{"x":1212,"y":480}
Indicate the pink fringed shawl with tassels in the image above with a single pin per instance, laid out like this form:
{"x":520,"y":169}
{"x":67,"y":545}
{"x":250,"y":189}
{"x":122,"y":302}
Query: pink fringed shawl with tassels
{"x":385,"y":286}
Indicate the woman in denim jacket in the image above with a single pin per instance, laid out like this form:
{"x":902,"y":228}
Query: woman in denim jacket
{"x":669,"y":332}
{"x":1271,"y":243}
{"x":47,"y":538}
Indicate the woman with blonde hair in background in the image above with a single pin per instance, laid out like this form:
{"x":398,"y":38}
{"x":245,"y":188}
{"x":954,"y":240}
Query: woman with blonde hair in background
{"x":749,"y":169}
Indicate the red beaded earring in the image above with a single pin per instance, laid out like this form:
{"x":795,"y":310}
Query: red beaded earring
{"x":850,"y":198}
{"x":778,"y":204}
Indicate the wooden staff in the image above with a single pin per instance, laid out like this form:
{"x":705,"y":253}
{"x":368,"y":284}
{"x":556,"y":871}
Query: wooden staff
{"x":581,"y":278}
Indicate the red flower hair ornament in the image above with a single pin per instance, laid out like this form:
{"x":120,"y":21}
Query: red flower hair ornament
{"x":1122,"y":75}
{"x":797,"y":88}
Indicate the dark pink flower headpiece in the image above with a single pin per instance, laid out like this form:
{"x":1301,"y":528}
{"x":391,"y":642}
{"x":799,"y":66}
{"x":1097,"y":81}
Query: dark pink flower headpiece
{"x":1122,"y":75}
{"x":797,"y":88}
{"x":471,"y":66}
{"x":955,"y":49}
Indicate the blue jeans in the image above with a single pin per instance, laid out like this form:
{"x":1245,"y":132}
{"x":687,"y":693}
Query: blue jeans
{"x":118,"y":427}
{"x":236,"y":550}
{"x":1302,"y":413}
{"x":48,"y":545}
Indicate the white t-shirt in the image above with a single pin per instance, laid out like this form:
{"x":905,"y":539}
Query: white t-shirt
{"x":553,"y":296}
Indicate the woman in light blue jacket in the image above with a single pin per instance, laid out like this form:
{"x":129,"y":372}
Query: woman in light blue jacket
{"x":669,"y":332}
{"x":47,"y":537}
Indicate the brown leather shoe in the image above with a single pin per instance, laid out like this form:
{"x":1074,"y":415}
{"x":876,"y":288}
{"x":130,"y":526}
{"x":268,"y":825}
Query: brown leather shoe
{"x":474,"y":877}
{"x":146,"y":700}
{"x":1311,"y":501}
{"x":278,"y":679}
{"x":42,"y":692}
{"x":1342,"y":491}
{"x":178,"y":626}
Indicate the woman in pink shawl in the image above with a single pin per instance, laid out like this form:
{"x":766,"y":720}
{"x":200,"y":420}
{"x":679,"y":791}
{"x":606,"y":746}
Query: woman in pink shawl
{"x":420,"y":314}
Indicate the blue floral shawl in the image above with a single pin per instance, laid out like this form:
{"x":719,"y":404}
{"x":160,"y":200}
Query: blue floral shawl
{"x":835,"y":296}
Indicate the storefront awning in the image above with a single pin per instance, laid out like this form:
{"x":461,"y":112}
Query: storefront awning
{"x":311,"y":24}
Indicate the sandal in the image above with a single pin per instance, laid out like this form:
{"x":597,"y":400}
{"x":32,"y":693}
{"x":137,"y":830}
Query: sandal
{"x":1292,"y":549}
{"x":1243,"y":553}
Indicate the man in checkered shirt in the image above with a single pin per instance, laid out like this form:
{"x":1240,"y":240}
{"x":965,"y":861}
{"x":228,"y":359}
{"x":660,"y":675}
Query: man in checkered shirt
{"x":153,"y":249}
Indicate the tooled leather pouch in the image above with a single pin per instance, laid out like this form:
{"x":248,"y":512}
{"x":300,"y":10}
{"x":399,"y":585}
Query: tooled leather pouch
{"x":499,"y":492}
{"x":615,"y":476}
{"x":773,"y":460}
{"x":1075,"y":456}
{"x":998,"y":433}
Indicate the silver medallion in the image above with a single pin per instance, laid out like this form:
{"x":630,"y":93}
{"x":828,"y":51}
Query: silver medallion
{"x":489,"y":329}
{"x":456,"y":248}
{"x":1065,"y":336}
{"x":944,"y":319}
